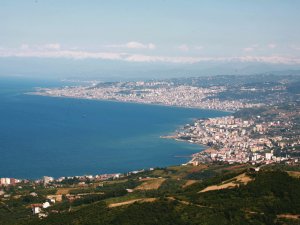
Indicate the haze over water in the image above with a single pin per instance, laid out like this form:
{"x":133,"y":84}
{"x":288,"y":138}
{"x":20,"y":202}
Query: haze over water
{"x":64,"y":137}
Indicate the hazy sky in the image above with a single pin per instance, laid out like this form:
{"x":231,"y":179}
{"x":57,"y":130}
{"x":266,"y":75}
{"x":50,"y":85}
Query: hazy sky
{"x":172,"y":31}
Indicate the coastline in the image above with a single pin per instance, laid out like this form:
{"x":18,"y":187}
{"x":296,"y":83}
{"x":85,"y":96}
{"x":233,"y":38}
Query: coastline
{"x":205,"y":147}
{"x":172,"y":137}
{"x":130,"y":102}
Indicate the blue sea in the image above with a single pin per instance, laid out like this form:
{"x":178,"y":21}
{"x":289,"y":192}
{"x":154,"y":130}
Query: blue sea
{"x":65,"y":137}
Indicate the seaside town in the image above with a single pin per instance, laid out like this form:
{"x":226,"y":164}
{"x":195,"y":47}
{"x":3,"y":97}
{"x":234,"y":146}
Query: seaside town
{"x":201,"y":92}
{"x":270,"y":136}
{"x":152,"y":92}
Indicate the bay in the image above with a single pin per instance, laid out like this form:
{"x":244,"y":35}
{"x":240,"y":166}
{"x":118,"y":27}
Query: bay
{"x":65,"y":137}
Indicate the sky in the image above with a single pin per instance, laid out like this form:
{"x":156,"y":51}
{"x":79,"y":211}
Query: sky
{"x":157,"y":31}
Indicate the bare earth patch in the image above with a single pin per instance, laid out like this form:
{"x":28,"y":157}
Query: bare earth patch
{"x":234,"y":182}
{"x":289,"y":216}
{"x":295,"y":174}
{"x":187,"y":203}
{"x":152,"y":184}
{"x":131,"y":202}
{"x":188,"y":183}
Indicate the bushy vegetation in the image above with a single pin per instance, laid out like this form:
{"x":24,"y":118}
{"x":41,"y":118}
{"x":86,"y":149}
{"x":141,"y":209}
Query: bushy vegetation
{"x":271,"y":195}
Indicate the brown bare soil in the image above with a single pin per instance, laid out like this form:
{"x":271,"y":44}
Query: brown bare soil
{"x":188,"y":183}
{"x":234,"y":182}
{"x":289,"y":216}
{"x":131,"y":202}
{"x":294,"y":173}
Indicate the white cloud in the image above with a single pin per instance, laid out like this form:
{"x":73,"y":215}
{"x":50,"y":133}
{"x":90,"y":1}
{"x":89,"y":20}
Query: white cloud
{"x":57,"y":52}
{"x":151,"y":46}
{"x":199,"y":47}
{"x":273,"y":59}
{"x":133,"y":45}
{"x":183,"y":47}
{"x":52,"y":46}
{"x":295,"y":47}
{"x":166,"y":59}
{"x":249,"y":49}
{"x":191,"y":60}
{"x":271,"y":45}
{"x":70,"y":54}
{"x":49,"y":46}
{"x":138,"y":45}
{"x":24,"y":46}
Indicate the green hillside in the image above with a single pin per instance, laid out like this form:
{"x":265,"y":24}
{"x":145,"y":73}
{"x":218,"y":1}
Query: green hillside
{"x":215,"y":194}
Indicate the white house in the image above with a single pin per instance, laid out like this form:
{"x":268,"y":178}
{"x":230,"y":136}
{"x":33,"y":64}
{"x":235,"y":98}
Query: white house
{"x":46,"y":205}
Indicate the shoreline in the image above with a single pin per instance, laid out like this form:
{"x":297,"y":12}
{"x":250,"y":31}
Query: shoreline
{"x":130,"y":102}
{"x":175,"y":138}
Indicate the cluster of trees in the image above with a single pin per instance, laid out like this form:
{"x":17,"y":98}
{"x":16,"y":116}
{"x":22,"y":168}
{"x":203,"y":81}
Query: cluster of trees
{"x":270,"y":194}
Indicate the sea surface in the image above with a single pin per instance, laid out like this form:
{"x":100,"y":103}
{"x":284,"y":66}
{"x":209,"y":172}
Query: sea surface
{"x":65,"y":137}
